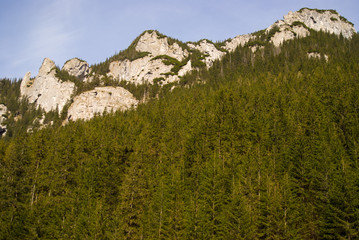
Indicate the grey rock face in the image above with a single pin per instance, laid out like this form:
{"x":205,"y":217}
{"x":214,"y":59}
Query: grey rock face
{"x":324,"y":20}
{"x":208,"y":49}
{"x":156,"y":45}
{"x":147,"y":69}
{"x":46,"y":89}
{"x":102,"y":99}
{"x":50,"y":93}
{"x":239,"y":40}
{"x":3,"y":116}
{"x":140,"y":71}
{"x":77,"y":68}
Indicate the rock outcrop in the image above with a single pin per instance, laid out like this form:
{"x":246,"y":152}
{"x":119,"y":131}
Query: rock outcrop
{"x":77,"y":67}
{"x":139,"y":71}
{"x":101,"y":99}
{"x":211,"y":52}
{"x":296,"y":24}
{"x":286,"y":32}
{"x":239,"y":40}
{"x":149,"y":68}
{"x":46,"y":90}
{"x":157,"y":45}
{"x":317,"y":55}
{"x":3,"y":117}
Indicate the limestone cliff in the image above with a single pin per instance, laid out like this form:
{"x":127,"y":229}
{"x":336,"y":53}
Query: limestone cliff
{"x":46,"y":90}
{"x":3,"y":117}
{"x":210,"y":51}
{"x":77,"y":68}
{"x":155,"y":58}
{"x":157,"y":45}
{"x":101,"y":99}
{"x":296,"y":24}
{"x":239,"y":40}
{"x":148,"y":68}
{"x":139,"y":71}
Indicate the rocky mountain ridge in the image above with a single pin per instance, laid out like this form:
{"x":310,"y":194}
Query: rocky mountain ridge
{"x":157,"y":59}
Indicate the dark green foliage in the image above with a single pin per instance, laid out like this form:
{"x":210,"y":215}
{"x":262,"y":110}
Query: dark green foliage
{"x":259,"y":33}
{"x":158,"y":80}
{"x":197,"y":59}
{"x":320,"y":10}
{"x":130,"y":53}
{"x":256,"y":43}
{"x":167,"y":60}
{"x":272,"y":32}
{"x":21,"y":114}
{"x":297,"y":23}
{"x":65,"y":76}
{"x":346,"y":20}
{"x":218,"y":45}
{"x":260,"y":146}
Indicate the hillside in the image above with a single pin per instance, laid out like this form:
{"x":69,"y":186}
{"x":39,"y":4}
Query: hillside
{"x":260,"y":142}
{"x":152,"y":62}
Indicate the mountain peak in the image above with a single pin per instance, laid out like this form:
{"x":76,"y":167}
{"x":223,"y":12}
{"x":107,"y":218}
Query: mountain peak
{"x":154,"y":58}
{"x":157,"y":44}
{"x":300,"y":22}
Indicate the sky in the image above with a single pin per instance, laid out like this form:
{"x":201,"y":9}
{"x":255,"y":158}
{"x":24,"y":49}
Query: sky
{"x":94,"y":30}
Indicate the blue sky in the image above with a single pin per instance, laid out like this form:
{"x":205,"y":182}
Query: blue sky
{"x":96,"y":29}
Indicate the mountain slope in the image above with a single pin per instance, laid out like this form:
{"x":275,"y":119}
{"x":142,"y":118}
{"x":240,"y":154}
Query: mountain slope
{"x":266,"y":148}
{"x":155,"y":59}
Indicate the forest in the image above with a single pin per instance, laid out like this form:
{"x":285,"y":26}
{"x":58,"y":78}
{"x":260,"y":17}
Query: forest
{"x":262,"y":145}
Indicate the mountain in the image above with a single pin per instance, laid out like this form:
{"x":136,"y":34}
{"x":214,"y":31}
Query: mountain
{"x":258,"y":140}
{"x":155,"y":59}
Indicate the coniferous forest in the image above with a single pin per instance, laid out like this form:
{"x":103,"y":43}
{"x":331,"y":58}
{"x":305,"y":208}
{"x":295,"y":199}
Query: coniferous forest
{"x":262,"y":145}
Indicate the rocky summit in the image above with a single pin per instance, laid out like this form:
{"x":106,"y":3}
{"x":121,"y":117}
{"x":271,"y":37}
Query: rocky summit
{"x":77,"y":68}
{"x":46,"y":90}
{"x":297,"y":24}
{"x":154,"y":58}
{"x":151,"y":66}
